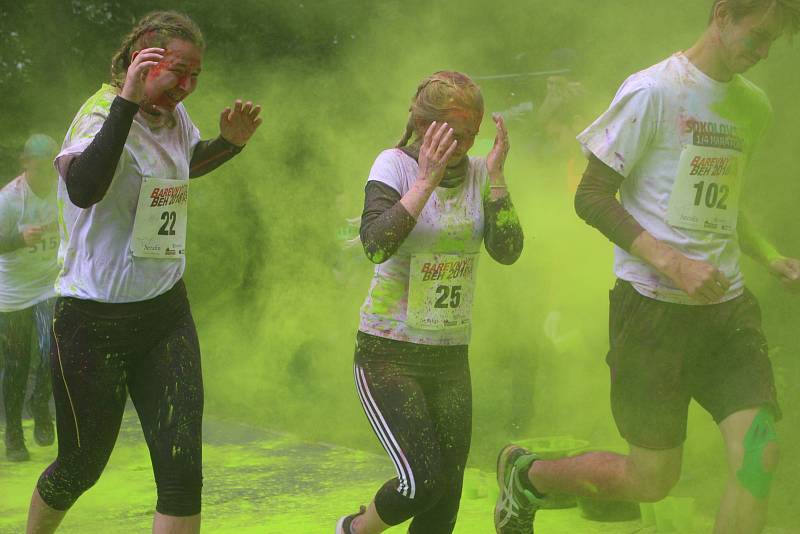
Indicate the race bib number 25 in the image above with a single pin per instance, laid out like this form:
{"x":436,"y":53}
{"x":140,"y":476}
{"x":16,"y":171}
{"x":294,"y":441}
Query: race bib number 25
{"x":441,"y":289}
{"x":159,"y":229}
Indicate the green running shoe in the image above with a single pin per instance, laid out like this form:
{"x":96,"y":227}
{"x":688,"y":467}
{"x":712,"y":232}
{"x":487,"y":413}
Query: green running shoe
{"x":516,"y":506}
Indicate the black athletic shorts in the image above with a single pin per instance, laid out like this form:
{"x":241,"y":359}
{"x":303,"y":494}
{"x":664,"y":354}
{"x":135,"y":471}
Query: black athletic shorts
{"x":662,"y":355}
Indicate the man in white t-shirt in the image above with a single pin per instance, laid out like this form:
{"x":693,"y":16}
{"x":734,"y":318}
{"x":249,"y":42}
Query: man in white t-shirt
{"x":28,"y":269}
{"x":675,"y":143}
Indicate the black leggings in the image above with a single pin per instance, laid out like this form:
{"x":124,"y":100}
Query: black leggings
{"x":151,"y":350}
{"x":16,"y":331}
{"x":418,"y":399}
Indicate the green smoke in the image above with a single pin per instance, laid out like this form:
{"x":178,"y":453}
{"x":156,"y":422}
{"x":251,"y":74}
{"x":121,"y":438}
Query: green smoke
{"x":276,"y":298}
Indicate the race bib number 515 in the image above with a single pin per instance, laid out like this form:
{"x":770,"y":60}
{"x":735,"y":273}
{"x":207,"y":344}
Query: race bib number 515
{"x":706,"y":192}
{"x":159,"y":229}
{"x":441,"y":290}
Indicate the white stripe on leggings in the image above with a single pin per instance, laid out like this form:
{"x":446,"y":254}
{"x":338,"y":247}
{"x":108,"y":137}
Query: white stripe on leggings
{"x":407,"y":487}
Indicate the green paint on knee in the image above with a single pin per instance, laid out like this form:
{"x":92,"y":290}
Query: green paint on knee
{"x":753,"y":476}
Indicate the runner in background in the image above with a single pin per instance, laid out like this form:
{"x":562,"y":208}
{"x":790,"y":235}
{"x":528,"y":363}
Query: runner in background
{"x":28,"y":269}
{"x":427,"y":209}
{"x":122,"y":320}
{"x":676,"y":142}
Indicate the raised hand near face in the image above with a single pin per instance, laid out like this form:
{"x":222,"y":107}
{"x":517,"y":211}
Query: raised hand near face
{"x":238,"y":124}
{"x":496,"y":159}
{"x":143,"y":61}
{"x":437,"y":147}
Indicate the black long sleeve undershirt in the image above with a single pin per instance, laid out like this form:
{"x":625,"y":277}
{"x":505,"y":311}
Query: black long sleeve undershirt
{"x":208,"y":155}
{"x":90,"y":173}
{"x":502,"y":235}
{"x":385,"y":224}
{"x":596,"y":203}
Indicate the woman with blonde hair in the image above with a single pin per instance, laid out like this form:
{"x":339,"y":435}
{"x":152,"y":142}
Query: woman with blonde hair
{"x":122,"y":320}
{"x":427,"y":209}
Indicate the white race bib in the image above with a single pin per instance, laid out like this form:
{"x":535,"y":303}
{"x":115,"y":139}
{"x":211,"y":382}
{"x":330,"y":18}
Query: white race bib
{"x":706,"y":192}
{"x":441,"y":290}
{"x":48,"y":246}
{"x":159,"y":229}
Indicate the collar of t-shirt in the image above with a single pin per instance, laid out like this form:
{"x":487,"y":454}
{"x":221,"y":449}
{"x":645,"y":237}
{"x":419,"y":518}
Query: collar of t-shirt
{"x":701,"y":76}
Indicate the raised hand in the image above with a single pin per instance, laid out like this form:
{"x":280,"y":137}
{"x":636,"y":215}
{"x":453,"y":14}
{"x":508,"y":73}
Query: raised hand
{"x":787,"y":270}
{"x":496,"y":159}
{"x":437,"y":147}
{"x":143,"y":61}
{"x":237,"y":124}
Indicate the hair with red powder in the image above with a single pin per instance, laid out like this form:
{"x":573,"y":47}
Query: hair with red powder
{"x":439,"y":95}
{"x":155,"y":29}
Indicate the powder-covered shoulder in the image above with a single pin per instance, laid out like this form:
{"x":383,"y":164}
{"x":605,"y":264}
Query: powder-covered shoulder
{"x":393,"y":168}
{"x":756,"y":98}
{"x":91,"y":115}
{"x":184,"y":120}
{"x":478,"y":170}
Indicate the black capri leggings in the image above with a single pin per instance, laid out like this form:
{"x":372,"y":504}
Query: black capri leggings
{"x":99,"y":353}
{"x":418,"y":399}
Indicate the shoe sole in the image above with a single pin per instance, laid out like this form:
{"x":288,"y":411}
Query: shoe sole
{"x":502,"y":460}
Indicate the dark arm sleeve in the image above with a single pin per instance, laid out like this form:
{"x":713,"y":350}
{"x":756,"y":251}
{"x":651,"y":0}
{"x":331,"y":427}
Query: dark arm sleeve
{"x":596,"y":203}
{"x":208,"y":155}
{"x":90,"y":173}
{"x":11,"y":243}
{"x":385,"y":223}
{"x":502,"y":234}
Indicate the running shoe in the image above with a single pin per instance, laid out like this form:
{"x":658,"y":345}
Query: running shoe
{"x":16,"y":451}
{"x":343,"y":525}
{"x":516,"y":506}
{"x":43,"y":432}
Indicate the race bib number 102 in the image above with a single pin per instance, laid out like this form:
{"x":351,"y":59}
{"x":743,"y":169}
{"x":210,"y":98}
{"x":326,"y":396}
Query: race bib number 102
{"x":706,"y":192}
{"x":159,"y":229}
{"x":441,"y":290}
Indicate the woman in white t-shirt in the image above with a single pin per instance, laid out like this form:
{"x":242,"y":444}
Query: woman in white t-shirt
{"x":428,"y":207}
{"x":122,"y":320}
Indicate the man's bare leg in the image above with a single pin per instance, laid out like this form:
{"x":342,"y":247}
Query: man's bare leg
{"x":645,"y":475}
{"x":752,"y":450}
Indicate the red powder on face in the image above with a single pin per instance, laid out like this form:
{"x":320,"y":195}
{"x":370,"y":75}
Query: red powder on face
{"x":165,"y":63}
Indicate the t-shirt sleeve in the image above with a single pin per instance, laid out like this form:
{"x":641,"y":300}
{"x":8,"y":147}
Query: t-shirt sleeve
{"x":387,"y":170}
{"x":80,"y":135}
{"x":9,"y":215}
{"x":621,"y":135}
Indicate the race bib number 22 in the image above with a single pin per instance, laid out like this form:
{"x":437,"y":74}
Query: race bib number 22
{"x":159,"y":229}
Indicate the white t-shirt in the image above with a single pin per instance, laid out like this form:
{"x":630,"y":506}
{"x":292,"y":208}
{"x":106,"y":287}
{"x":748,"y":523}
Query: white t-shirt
{"x":95,"y":253}
{"x":27,"y":274}
{"x":679,"y":137}
{"x":452,"y":223}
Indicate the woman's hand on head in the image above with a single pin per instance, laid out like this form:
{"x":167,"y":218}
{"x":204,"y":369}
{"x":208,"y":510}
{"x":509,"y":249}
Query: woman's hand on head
{"x":143,"y":61}
{"x":496,"y":159}
{"x":238,"y":124}
{"x":437,"y":147}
